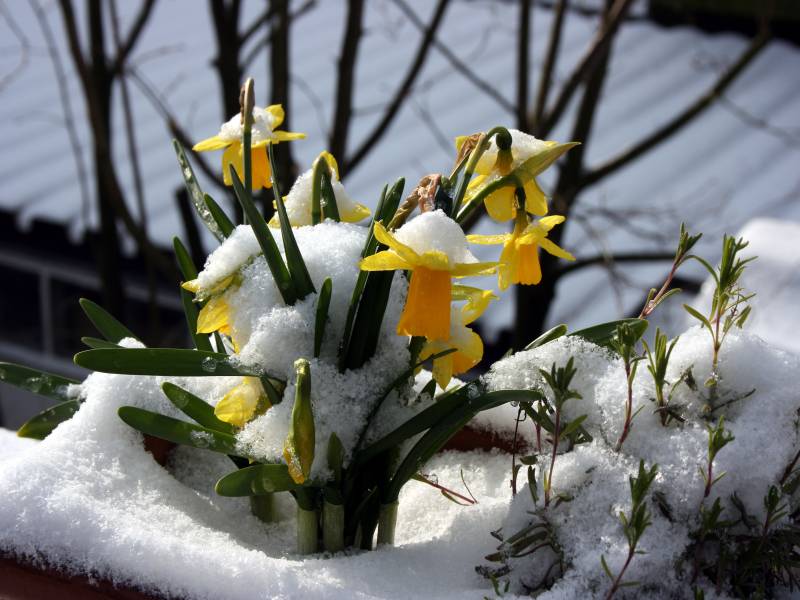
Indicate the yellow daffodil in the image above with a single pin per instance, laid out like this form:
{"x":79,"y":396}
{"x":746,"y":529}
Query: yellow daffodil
{"x":215,"y":314}
{"x":467,"y":344}
{"x":265,"y":120}
{"x":242,"y":403}
{"x":433,"y":247}
{"x":507,"y":170}
{"x":298,"y":201}
{"x":299,"y":446}
{"x":519,"y":260}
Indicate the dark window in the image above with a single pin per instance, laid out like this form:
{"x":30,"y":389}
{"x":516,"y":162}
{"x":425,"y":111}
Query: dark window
{"x":19,"y":308}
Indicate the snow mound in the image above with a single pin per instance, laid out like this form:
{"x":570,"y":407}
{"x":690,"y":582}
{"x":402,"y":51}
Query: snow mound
{"x":595,"y":477}
{"x":434,"y":230}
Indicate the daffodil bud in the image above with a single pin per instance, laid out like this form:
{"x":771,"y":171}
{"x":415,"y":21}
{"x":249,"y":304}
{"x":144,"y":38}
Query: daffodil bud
{"x":298,"y":449}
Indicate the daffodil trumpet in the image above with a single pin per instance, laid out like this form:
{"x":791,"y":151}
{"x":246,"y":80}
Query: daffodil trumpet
{"x":519,"y":259}
{"x":502,"y":139}
{"x":427,"y":309}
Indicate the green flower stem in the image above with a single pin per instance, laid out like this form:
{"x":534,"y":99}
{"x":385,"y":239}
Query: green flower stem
{"x":387,"y":523}
{"x":248,"y":101}
{"x":332,"y":526}
{"x":307,"y":530}
{"x":503,"y":140}
{"x":263,"y":507}
{"x":320,"y":169}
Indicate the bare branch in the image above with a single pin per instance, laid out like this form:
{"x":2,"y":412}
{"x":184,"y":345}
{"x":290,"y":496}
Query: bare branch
{"x":458,"y":64}
{"x":68,"y":16}
{"x":682,"y":119}
{"x":586,"y":66}
{"x":262,"y":43}
{"x":414,"y":69}
{"x":24,"y":47}
{"x":523,"y":51}
{"x":260,"y":20}
{"x":66,"y":106}
{"x":609,"y":259}
{"x":126,"y":47}
{"x":553,"y":45}
{"x":172,"y":124}
{"x":346,"y":78}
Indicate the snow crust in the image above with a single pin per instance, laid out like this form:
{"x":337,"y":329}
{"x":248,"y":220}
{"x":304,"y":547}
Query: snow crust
{"x":596,"y":477}
{"x":263,"y":124}
{"x":434,"y":230}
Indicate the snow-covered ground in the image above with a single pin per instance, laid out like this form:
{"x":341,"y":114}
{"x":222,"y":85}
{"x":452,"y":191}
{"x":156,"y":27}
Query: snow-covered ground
{"x":90,"y":499}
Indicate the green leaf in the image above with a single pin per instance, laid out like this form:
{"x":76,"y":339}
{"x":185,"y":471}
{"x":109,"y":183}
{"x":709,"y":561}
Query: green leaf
{"x":36,"y":381}
{"x":548,"y":336}
{"x":108,"y":326}
{"x":256,"y":480}
{"x":321,"y":320}
{"x":699,"y":316}
{"x":195,"y":408}
{"x":329,"y":207}
{"x":303,"y":285}
{"x":177,"y":431}
{"x":445,"y":428}
{"x":604,"y":334}
{"x":335,"y":456}
{"x":189,"y":272}
{"x":40,"y":426}
{"x":370,"y":296}
{"x":160,"y":361}
{"x":268,"y":246}
{"x":94,"y":342}
{"x":605,"y":567}
{"x":195,"y":193}
{"x":225,"y":225}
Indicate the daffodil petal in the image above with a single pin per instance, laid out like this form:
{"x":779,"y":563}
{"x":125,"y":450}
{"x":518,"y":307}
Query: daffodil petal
{"x":435,"y":260}
{"x":387,"y":260}
{"x":476,"y":305}
{"x":277,"y":114}
{"x":212,"y":143}
{"x":232,"y":156}
{"x":287,"y":136}
{"x":470,"y":269}
{"x":551,"y":221}
{"x":332,"y":164}
{"x":427,"y":309}
{"x":529,"y":272}
{"x":355,"y":214}
{"x":500,"y":204}
{"x":240,"y":404}
{"x":535,"y":199}
{"x":443,"y":370}
{"x":214,"y":316}
{"x":387,"y":239}
{"x":477,"y":238}
{"x":555,"y":250}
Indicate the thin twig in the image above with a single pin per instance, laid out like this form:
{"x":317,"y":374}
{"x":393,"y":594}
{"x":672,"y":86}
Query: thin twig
{"x":414,"y":70}
{"x":523,"y":55}
{"x":587,"y":65}
{"x":550,"y":59}
{"x":606,"y":259}
{"x":126,"y":47}
{"x":24,"y":47}
{"x":682,"y":119}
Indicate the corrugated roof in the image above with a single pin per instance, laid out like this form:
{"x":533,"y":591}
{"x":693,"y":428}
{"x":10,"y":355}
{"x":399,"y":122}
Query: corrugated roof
{"x":740,"y":159}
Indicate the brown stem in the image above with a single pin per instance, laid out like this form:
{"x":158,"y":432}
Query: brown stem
{"x":594,"y":56}
{"x":556,"y":435}
{"x":346,"y":78}
{"x":523,"y":53}
{"x":549,"y":62}
{"x":618,"y":580}
{"x":626,"y":428}
{"x":650,"y":306}
{"x":682,"y":119}
{"x":402,"y":93}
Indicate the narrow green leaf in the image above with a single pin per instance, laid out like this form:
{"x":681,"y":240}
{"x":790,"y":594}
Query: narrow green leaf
{"x":335,"y":456}
{"x":699,"y":316}
{"x":160,"y":361}
{"x":605,"y":567}
{"x":94,"y":342}
{"x":268,"y":246}
{"x":195,"y":193}
{"x":177,"y":431}
{"x":185,"y":262}
{"x":40,"y":426}
{"x":603,"y":334}
{"x":256,"y":480}
{"x":547,"y":337}
{"x":189,"y":272}
{"x":225,"y":225}
{"x":273,"y":388}
{"x":36,"y":381}
{"x":321,"y":320}
{"x":107,"y":325}
{"x":303,"y":285}
{"x":329,"y":206}
{"x":195,"y":408}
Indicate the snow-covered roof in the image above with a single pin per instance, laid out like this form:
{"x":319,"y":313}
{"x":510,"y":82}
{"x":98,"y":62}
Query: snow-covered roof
{"x":737,"y":161}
